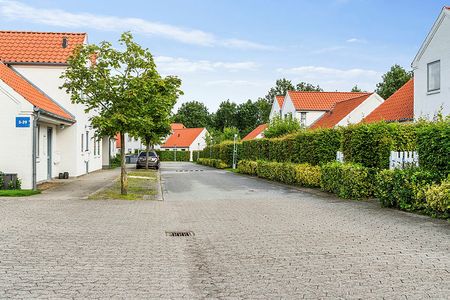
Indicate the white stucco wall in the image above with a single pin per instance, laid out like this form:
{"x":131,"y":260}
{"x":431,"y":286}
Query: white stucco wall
{"x":289,"y":108}
{"x":73,"y":159}
{"x":275,"y":111}
{"x":200,"y":141}
{"x":427,"y":104}
{"x":15,"y":143}
{"x":362,"y":110}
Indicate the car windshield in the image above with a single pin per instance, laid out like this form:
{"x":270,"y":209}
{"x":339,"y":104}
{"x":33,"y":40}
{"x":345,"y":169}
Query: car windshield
{"x":144,"y":154}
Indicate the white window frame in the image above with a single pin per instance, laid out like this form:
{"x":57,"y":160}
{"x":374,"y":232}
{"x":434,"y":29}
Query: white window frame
{"x":303,"y":118}
{"x":435,"y":90}
{"x":38,"y":141}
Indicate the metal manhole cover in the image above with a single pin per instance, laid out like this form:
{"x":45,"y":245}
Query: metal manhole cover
{"x":180,"y":233}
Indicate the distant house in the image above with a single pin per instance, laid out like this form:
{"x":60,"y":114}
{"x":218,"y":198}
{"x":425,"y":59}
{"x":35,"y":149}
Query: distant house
{"x":257,"y":133}
{"x":175,"y":126}
{"x":397,"y":108}
{"x":276,"y":107}
{"x":308,"y":107}
{"x":432,"y":70}
{"x":42,"y":132}
{"x":349,"y":111}
{"x":186,"y":139}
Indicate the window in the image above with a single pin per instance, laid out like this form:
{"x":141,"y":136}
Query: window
{"x":434,"y":76}
{"x":303,"y":118}
{"x":87,"y":140}
{"x":38,"y":140}
{"x":98,"y":147}
{"x":95,"y":147}
{"x":82,"y":142}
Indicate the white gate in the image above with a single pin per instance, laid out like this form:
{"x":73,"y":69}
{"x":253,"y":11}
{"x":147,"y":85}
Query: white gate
{"x":340,"y":156}
{"x":403,"y":159}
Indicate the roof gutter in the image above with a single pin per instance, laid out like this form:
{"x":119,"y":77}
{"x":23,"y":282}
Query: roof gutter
{"x":55,"y":116}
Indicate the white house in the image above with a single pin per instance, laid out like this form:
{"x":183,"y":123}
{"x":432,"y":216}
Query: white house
{"x":276,"y":107}
{"x":186,"y":139}
{"x":308,"y":107}
{"x":432,"y":70}
{"x":349,"y":111}
{"x":35,"y":111}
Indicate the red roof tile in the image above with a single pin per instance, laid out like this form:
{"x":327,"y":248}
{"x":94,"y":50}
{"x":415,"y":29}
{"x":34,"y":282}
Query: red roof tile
{"x":252,"y":135}
{"x":398,"y":107}
{"x":280,"y":100}
{"x":182,"y":138}
{"x":38,"y":47}
{"x":175,"y":126}
{"x":319,"y":100}
{"x":31,"y":93}
{"x":339,"y":111}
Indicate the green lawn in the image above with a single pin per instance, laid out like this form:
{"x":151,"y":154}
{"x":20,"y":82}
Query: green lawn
{"x":18,"y":193}
{"x":143,"y":188}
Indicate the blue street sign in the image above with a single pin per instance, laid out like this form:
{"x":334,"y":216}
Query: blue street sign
{"x":23,"y":122}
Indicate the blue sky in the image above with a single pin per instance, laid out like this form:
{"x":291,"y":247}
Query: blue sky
{"x":235,"y":50}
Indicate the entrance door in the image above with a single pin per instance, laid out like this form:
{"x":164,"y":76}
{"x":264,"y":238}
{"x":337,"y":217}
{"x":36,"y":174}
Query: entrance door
{"x":49,"y":152}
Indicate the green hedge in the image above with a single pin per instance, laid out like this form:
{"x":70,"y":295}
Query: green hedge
{"x":170,"y":155}
{"x":211,"y":162}
{"x":222,"y":151}
{"x":349,"y":181}
{"x":433,"y":146}
{"x":403,"y":189}
{"x":298,"y":174}
{"x":370,"y":144}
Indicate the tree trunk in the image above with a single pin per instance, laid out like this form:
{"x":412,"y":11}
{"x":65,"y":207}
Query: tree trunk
{"x":146,"y":158}
{"x":123,"y":170}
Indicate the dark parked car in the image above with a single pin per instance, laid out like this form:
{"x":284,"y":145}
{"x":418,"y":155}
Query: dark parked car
{"x":153,"y":160}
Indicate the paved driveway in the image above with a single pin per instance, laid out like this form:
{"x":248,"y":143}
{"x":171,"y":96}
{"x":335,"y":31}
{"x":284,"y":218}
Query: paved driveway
{"x":253,"y":239}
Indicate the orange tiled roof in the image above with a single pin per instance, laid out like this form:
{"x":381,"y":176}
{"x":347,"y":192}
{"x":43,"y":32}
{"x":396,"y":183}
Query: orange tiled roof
{"x":280,"y":100}
{"x":38,"y":47}
{"x":175,"y":126}
{"x":182,"y":138}
{"x":398,"y":107}
{"x":31,"y":93}
{"x":319,"y":100}
{"x":339,"y":111}
{"x":255,"y":132}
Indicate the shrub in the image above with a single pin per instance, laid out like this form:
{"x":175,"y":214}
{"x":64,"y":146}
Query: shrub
{"x":433,"y":147}
{"x":404,"y":189}
{"x":247,"y":167}
{"x":316,"y":147}
{"x":211,"y":162}
{"x":307,"y":175}
{"x":170,"y":155}
{"x":438,"y":197}
{"x":350,"y":181}
{"x":371,"y":144}
{"x":222,"y":151}
{"x":279,"y":127}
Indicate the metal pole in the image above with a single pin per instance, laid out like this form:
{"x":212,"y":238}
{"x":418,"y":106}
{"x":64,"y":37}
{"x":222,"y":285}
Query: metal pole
{"x":234,"y":151}
{"x":175,"y":152}
{"x":36,"y":115}
{"x":210,"y":148}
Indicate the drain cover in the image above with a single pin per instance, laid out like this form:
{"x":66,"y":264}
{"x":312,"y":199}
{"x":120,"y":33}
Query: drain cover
{"x":180,"y":233}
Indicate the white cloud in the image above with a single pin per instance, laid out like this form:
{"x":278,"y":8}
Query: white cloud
{"x":175,"y":65}
{"x":14,"y":10}
{"x":229,"y":83}
{"x":356,"y":40}
{"x":333,"y":79}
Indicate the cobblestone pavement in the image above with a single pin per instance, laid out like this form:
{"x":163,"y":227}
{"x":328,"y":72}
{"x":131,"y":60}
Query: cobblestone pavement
{"x":253,"y":239}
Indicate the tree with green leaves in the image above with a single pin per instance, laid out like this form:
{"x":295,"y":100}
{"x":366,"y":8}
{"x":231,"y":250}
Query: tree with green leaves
{"x":356,"y":89}
{"x":264,"y":108}
{"x":308,"y":87}
{"x":114,"y":88}
{"x":247,"y":116}
{"x":279,"y":127}
{"x":193,"y":114}
{"x":282,"y":86}
{"x":226,"y":115}
{"x":158,"y":107}
{"x":394,"y":79}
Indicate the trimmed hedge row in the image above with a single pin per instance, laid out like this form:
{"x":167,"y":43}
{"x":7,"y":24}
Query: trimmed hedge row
{"x":349,"y":180}
{"x":299,"y":174}
{"x":170,"y":155}
{"x":211,"y":162}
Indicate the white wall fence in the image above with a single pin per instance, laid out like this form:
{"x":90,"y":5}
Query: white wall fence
{"x":397,"y":159}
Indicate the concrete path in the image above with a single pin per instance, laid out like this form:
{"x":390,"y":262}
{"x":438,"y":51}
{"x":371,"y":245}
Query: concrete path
{"x":253,"y":239}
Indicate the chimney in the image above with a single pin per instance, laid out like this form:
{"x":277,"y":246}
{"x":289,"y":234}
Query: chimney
{"x":65,"y":42}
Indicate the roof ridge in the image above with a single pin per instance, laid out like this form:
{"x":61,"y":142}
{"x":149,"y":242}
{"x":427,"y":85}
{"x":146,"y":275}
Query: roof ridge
{"x":330,"y":92}
{"x":40,"y":91}
{"x":42,"y":32}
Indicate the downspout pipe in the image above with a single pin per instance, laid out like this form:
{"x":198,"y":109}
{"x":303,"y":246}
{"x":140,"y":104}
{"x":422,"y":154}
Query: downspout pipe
{"x":36,"y":115}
